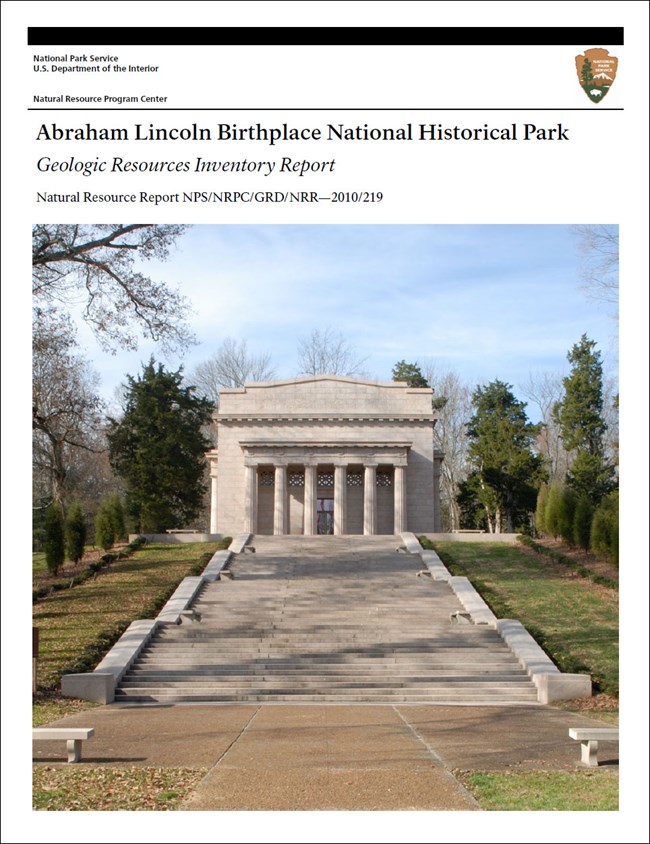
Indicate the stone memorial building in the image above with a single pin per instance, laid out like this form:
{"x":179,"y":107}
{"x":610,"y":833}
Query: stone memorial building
{"x":325,"y":454}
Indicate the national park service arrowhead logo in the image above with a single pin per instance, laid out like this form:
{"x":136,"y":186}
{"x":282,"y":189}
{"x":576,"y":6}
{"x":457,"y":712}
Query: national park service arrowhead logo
{"x":596,"y":72}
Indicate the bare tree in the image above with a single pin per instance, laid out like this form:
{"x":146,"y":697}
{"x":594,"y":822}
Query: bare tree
{"x":328,"y":352}
{"x":66,"y":410}
{"x":453,"y":403}
{"x":231,"y":366}
{"x":90,"y":477}
{"x":545,"y":390}
{"x":610,"y":416}
{"x":95,"y":266}
{"x":599,"y":272}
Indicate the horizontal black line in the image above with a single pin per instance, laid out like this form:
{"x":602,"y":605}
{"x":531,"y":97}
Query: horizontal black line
{"x":118,"y":36}
{"x":332,"y":108}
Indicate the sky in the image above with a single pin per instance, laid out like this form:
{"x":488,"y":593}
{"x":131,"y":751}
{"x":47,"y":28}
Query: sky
{"x":488,"y":301}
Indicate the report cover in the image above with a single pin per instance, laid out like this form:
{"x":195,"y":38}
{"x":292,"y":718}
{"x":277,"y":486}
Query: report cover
{"x":378,"y":191}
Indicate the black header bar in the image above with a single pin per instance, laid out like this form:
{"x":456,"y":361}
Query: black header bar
{"x":344,"y":36}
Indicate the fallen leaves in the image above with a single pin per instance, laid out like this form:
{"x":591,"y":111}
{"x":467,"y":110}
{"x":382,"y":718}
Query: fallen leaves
{"x":112,"y":789}
{"x":48,"y":706}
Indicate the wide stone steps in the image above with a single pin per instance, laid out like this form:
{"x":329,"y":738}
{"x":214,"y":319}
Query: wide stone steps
{"x":456,"y":659}
{"x":346,"y":622}
{"x":319,"y":680}
{"x":444,"y":697}
{"x":449,"y":693}
{"x":336,"y":645}
{"x":356,"y":654}
{"x":324,"y":670}
{"x":479,"y":634}
{"x":362,"y":627}
{"x":327,"y":638}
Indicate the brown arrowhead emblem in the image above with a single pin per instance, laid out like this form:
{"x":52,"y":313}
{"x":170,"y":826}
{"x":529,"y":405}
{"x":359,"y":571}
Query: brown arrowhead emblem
{"x":596,"y":72}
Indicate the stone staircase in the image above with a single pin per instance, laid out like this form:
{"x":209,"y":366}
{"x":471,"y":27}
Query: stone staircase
{"x":329,"y":620}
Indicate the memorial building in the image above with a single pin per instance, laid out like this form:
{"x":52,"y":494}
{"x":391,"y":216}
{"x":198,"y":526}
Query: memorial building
{"x":325,"y":454}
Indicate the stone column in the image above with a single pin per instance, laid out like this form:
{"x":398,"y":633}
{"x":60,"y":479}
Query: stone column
{"x":309,"y":526}
{"x":400,"y":499}
{"x":438,"y":457}
{"x":250,"y":503}
{"x":213,"y":492}
{"x":370,"y":499}
{"x":280,"y":501}
{"x":340,"y":490}
{"x":213,"y":504}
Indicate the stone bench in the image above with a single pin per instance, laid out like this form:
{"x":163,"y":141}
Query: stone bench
{"x":467,"y":530}
{"x":72,"y":736}
{"x":589,"y":737}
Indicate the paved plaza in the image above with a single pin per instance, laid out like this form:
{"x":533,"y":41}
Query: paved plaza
{"x":327,"y":674}
{"x":338,"y":757}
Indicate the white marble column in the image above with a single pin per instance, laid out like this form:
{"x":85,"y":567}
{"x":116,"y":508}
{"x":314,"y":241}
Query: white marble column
{"x":400,"y":499}
{"x":309,"y":526}
{"x":280,"y":501}
{"x":250,"y":504}
{"x":370,"y":499}
{"x":340,"y":490}
{"x":438,"y":457}
{"x":213,"y":504}
{"x":213,"y":492}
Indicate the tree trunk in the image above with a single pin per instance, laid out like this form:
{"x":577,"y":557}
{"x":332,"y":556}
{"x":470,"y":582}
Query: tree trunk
{"x":59,"y":474}
{"x":489,"y":521}
{"x":497,"y":520}
{"x":454,"y":515}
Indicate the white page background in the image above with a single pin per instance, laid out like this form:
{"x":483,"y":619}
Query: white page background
{"x":438,"y":182}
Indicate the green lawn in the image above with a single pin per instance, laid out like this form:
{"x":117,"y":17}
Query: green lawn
{"x":574,"y":620}
{"x":39,"y":566}
{"x":78,"y":625}
{"x":543,"y":791}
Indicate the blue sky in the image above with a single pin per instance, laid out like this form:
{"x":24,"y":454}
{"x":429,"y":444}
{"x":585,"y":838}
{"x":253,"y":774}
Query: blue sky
{"x":487,"y":301}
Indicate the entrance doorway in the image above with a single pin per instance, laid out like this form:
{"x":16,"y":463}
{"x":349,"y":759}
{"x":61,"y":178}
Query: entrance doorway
{"x":325,"y":515}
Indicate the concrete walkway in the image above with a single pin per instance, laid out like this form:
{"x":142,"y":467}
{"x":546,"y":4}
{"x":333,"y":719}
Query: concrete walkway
{"x":329,"y":757}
